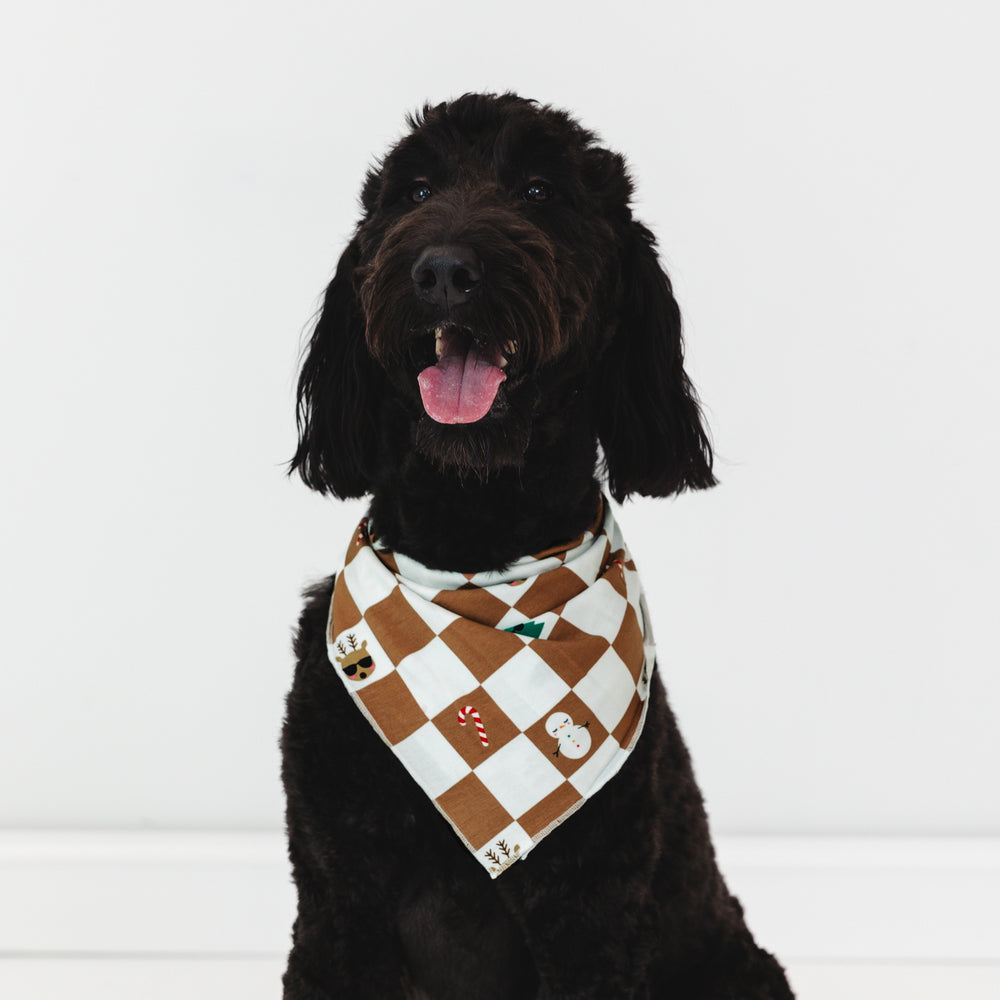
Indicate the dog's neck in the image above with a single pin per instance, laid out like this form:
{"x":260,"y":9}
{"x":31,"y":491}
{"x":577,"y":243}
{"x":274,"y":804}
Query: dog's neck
{"x":448,"y":520}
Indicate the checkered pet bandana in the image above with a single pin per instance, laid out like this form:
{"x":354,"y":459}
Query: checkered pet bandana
{"x":511,"y":697}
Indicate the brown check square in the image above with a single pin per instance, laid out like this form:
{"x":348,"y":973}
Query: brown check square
{"x":550,"y":592}
{"x":389,"y":700}
{"x":559,"y":550}
{"x":474,"y":603}
{"x":465,"y":739}
{"x":400,"y":629}
{"x":579,"y":711}
{"x":357,"y":544}
{"x":541,"y":816}
{"x":342,"y":608}
{"x":628,"y":643}
{"x":482,"y":649}
{"x":570,"y":651}
{"x":625,"y":730}
{"x":473,"y":809}
{"x":615,"y":574}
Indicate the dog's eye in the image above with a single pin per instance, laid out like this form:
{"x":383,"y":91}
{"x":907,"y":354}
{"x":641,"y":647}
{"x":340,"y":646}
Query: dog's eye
{"x":420,"y":192}
{"x":537,"y":191}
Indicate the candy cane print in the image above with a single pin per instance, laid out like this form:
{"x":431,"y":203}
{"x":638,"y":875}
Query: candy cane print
{"x":469,"y":710}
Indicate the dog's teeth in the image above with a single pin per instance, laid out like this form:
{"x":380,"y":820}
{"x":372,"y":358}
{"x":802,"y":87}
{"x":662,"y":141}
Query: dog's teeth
{"x":510,"y":347}
{"x":503,"y":362}
{"x":438,"y":334}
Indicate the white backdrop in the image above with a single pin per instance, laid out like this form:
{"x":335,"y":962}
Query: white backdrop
{"x":178,"y":181}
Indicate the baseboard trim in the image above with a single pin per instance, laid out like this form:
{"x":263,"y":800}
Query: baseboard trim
{"x":222,"y":893}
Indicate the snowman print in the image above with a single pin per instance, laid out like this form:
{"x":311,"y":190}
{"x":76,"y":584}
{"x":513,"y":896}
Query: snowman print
{"x":572,"y":741}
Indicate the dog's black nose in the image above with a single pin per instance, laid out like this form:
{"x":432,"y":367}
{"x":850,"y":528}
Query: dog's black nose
{"x":447,"y":275}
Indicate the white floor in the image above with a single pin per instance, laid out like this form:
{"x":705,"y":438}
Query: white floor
{"x":152,"y":915}
{"x":260,"y":979}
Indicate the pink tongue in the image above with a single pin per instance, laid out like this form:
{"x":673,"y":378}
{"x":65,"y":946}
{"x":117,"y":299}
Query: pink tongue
{"x":460,"y":388}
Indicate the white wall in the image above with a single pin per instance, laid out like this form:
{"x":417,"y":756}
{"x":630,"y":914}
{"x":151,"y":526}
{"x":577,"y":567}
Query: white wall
{"x":178,"y":182}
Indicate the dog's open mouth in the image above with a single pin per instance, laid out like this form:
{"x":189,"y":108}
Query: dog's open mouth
{"x":462,"y":386}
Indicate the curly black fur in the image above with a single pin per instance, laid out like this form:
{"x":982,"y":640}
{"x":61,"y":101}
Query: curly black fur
{"x":625,"y":899}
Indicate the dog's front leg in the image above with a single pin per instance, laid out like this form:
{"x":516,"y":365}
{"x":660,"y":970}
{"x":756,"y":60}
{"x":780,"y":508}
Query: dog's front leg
{"x":587,"y":926}
{"x":344,"y":940}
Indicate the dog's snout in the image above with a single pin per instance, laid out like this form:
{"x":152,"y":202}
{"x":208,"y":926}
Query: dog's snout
{"x":447,"y":275}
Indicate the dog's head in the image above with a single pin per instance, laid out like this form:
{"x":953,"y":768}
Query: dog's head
{"x":496,"y":288}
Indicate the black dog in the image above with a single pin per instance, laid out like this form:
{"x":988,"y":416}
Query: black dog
{"x":501,"y":228}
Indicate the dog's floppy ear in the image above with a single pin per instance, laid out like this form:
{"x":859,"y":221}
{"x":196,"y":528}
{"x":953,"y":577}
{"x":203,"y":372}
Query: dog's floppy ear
{"x":648,"y":418}
{"x":338,"y":390}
